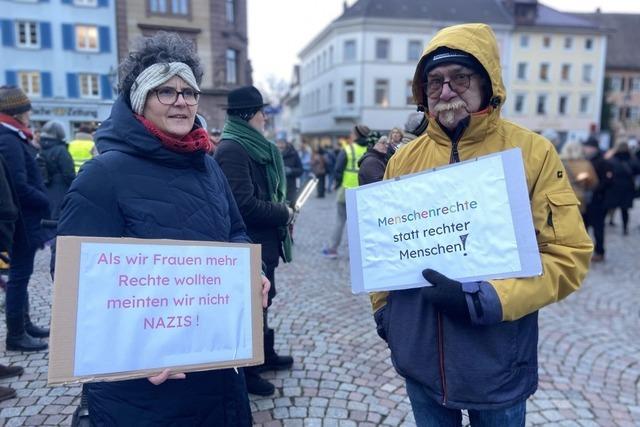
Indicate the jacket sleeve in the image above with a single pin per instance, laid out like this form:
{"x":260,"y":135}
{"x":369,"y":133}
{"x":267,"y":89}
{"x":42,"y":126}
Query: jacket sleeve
{"x":564,"y":245}
{"x":29,"y":196}
{"x":66,"y":166}
{"x":234,"y":162}
{"x":90,"y":207}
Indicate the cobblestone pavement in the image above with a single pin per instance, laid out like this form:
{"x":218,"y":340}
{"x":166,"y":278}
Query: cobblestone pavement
{"x":342,"y":376}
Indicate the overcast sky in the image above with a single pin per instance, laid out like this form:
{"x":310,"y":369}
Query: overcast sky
{"x":279,"y":29}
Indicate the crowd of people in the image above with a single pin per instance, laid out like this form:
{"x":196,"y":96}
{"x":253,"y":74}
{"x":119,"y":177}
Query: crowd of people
{"x":234,"y":185}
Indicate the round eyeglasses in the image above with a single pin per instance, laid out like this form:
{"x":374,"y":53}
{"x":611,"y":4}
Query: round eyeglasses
{"x":458,"y":83}
{"x":169,"y":96}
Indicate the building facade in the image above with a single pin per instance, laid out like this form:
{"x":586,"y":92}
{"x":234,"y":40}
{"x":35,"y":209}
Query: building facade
{"x":62,"y":53}
{"x":218,"y":29}
{"x":557,"y":71}
{"x":359,"y":68}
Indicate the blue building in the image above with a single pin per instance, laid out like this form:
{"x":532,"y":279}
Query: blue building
{"x":63,"y":54}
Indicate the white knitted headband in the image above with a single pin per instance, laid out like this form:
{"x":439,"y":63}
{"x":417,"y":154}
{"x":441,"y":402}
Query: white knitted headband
{"x":154,"y":76}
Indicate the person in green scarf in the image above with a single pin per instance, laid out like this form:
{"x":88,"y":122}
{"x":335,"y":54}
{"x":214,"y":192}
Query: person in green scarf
{"x":254,"y":168}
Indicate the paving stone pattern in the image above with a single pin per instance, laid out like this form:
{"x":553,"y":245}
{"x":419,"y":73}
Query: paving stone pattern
{"x":342,"y":376}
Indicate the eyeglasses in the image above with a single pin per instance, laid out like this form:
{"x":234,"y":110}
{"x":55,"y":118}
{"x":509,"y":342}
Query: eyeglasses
{"x":169,"y":96}
{"x":458,"y":83}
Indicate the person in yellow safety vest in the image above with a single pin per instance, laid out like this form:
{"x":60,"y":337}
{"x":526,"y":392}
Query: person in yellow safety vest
{"x":346,"y":176}
{"x":82,"y":148}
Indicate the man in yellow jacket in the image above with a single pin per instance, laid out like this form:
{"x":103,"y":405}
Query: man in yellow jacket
{"x":474,"y":345}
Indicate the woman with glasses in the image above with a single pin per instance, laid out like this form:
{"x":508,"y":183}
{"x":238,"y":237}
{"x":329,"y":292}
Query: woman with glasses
{"x":153,"y":180}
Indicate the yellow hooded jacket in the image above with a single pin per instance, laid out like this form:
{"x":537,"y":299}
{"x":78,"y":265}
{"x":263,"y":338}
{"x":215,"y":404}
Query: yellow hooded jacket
{"x":565,"y":247}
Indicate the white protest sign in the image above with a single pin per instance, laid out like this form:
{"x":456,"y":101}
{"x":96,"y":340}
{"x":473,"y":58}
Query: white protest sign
{"x":143,"y":305}
{"x":470,"y":221}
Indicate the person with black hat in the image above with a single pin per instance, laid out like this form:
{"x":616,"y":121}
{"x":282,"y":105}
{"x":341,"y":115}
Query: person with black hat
{"x":415,"y":126}
{"x":29,"y":235}
{"x":346,"y":176}
{"x":473,"y":345}
{"x":254,"y":168}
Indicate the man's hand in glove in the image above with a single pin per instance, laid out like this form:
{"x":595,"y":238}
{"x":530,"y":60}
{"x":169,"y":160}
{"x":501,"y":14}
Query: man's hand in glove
{"x":446,"y":295}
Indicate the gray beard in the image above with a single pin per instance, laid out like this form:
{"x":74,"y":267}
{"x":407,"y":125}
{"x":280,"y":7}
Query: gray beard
{"x":447,"y":112}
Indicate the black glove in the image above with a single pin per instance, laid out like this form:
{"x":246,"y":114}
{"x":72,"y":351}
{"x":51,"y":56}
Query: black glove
{"x":446,"y":295}
{"x":378,"y":316}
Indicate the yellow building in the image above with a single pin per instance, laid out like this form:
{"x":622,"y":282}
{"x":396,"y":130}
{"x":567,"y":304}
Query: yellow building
{"x":556,"y":71}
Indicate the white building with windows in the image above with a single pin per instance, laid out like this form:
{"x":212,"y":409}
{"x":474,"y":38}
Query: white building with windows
{"x":62,"y":53}
{"x":359,"y":68}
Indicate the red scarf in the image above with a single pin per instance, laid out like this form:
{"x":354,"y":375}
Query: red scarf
{"x":196,"y":140}
{"x":11,"y":121}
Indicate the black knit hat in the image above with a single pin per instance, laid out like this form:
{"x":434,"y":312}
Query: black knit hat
{"x":244,"y":98}
{"x":361,"y":131}
{"x":13,"y":101}
{"x":445,"y":55}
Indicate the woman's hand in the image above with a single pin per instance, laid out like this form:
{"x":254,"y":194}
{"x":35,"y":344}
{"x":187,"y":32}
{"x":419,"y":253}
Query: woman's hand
{"x":165,"y":375}
{"x":266,"y":285}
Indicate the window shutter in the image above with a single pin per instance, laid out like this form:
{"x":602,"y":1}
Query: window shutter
{"x":105,"y":87}
{"x":45,"y":35}
{"x":11,"y":78}
{"x":47,"y":86}
{"x":103,"y":3}
{"x":72,"y":86}
{"x":8,"y":35}
{"x":68,"y":37}
{"x":105,"y":41}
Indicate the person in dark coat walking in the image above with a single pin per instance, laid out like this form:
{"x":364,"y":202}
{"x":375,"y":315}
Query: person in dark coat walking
{"x":29,"y":236}
{"x":319,"y":169}
{"x":601,"y":198}
{"x":59,"y":164}
{"x":622,"y":190}
{"x":255,"y":170}
{"x":154,"y":180}
{"x":292,"y":168}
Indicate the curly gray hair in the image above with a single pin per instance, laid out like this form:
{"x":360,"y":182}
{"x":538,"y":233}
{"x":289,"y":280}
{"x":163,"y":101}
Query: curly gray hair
{"x":162,"y":47}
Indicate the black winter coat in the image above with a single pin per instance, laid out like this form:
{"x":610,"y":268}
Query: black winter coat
{"x":19,"y":159}
{"x":623,"y":186}
{"x":371,"y":167}
{"x":248,"y":181}
{"x":292,"y":169}
{"x":60,"y":169}
{"x":138,"y":188}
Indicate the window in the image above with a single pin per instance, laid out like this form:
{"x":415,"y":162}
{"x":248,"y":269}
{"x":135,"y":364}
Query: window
{"x":524,"y":41}
{"x":29,"y":82}
{"x":634,"y":113}
{"x":522,"y":70}
{"x":230,"y":11}
{"x":585,"y":101}
{"x":414,"y":50}
{"x":541,"y":105}
{"x":546,"y":42}
{"x":382,"y":93}
{"x":562,"y":104}
{"x":324,"y":60}
{"x":169,"y":7}
{"x":634,"y":84}
{"x":349,"y":92}
{"x":232,"y":66}
{"x":568,"y":42}
{"x":519,"y":104}
{"x":588,"y":44}
{"x":28,"y":34}
{"x":330,"y":95}
{"x":89,"y":85}
{"x":350,"y":50}
{"x":587,"y":71}
{"x":87,"y":38}
{"x":615,"y":83}
{"x":409,"y":92}
{"x":90,"y":3}
{"x":382,"y":49}
{"x":565,"y":72}
{"x":330,"y":56}
{"x":544,"y":71}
